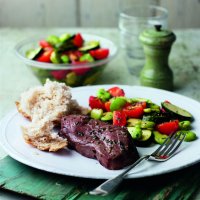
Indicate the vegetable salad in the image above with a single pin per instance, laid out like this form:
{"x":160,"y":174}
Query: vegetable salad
{"x":146,"y":121}
{"x":67,"y":48}
{"x":78,"y":57}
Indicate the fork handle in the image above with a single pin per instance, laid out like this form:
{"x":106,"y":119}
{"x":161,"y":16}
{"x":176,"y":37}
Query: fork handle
{"x":111,"y":184}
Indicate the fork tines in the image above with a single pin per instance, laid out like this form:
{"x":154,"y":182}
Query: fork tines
{"x":169,"y":146}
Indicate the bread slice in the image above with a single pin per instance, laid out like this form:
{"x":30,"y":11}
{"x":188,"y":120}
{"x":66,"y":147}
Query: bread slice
{"x":44,"y":106}
{"x":20,"y":110}
{"x":43,"y":136}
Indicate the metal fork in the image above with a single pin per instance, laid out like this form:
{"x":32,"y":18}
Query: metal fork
{"x":162,"y":153}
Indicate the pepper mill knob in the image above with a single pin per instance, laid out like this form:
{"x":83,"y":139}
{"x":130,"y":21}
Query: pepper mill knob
{"x":158,"y":27}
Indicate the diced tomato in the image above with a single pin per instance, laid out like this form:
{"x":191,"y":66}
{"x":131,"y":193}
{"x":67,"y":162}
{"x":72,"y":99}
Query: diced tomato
{"x":78,"y":53}
{"x":94,"y":102}
{"x":48,"y":49}
{"x":78,"y":40}
{"x":82,"y":70}
{"x":100,"y":53}
{"x":45,"y":56}
{"x":116,"y":92}
{"x":59,"y":74}
{"x":73,"y":57}
{"x":135,"y":111}
{"x":107,"y":106}
{"x":119,"y":118}
{"x":141,"y":103}
{"x":168,"y":128}
{"x":44,"y":44}
{"x":127,"y":104}
{"x":92,"y":53}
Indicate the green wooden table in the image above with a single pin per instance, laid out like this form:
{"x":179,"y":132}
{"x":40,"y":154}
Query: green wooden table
{"x":15,"y":78}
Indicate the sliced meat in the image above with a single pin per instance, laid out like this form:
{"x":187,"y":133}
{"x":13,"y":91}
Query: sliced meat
{"x":111,"y":145}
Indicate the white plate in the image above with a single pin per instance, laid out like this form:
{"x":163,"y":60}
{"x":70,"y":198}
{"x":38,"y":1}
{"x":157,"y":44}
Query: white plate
{"x":68,"y":162}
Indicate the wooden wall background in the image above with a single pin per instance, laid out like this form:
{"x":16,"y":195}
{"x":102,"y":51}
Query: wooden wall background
{"x":88,"y":13}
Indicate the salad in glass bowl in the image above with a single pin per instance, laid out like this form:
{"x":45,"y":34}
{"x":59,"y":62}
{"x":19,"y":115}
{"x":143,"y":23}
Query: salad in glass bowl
{"x":75,"y":59}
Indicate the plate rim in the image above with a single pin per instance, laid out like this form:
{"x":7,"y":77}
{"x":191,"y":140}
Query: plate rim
{"x":14,"y":112}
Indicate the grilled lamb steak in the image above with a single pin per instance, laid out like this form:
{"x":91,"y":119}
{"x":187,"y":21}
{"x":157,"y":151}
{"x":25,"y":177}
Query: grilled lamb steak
{"x":111,"y":145}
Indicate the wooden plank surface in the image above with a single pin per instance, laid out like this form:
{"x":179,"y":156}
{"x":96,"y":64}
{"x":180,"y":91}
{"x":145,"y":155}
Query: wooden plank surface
{"x":62,"y":13}
{"x":38,"y":13}
{"x":88,"y":13}
{"x":97,"y":13}
{"x":25,"y":180}
{"x":183,"y":13}
{"x":21,"y":13}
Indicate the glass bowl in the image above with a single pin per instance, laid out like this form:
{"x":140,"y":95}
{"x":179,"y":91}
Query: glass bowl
{"x":72,"y":75}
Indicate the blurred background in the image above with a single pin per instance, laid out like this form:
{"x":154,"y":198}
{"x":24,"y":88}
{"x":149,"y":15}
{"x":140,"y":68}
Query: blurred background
{"x":88,"y":13}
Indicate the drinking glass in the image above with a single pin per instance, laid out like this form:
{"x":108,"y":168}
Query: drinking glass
{"x":133,"y":19}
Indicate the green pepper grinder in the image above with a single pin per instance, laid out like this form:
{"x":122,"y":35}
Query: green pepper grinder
{"x":157,"y":45}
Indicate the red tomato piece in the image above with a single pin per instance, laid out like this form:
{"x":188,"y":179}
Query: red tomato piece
{"x":78,"y":40}
{"x":78,"y":53}
{"x":100,"y":53}
{"x":142,"y":103}
{"x":127,"y":104}
{"x":134,"y":111}
{"x":116,"y":92}
{"x":107,"y":106}
{"x":59,"y":74}
{"x":168,"y":128}
{"x":44,"y":44}
{"x":82,"y":70}
{"x":45,"y":56}
{"x":94,"y":102}
{"x":119,"y":118}
{"x":73,"y":57}
{"x":48,"y":49}
{"x":92,"y":53}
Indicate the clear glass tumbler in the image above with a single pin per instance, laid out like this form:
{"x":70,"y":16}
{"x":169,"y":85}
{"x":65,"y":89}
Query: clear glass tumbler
{"x":133,"y":19}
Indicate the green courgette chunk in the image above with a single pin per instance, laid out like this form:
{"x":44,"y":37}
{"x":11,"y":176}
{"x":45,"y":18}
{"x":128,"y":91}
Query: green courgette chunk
{"x":90,"y":46}
{"x":145,"y":139}
{"x":146,"y":135}
{"x":33,"y":53}
{"x":177,"y":110}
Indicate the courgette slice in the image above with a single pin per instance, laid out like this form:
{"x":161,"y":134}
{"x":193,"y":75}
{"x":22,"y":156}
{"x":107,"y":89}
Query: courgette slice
{"x":90,"y":46}
{"x":145,"y":139}
{"x":65,"y":37}
{"x":157,"y":117}
{"x":146,"y":134}
{"x":65,"y":46}
{"x":107,"y":116}
{"x":159,"y":138}
{"x":136,"y":132}
{"x":33,"y":53}
{"x":96,"y":113}
{"x":133,"y":122}
{"x":177,"y":111}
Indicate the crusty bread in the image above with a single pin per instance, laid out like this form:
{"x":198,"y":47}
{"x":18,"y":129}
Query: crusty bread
{"x":49,"y":101}
{"x":43,"y":136}
{"x":44,"y":106}
{"x":17,"y":103}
